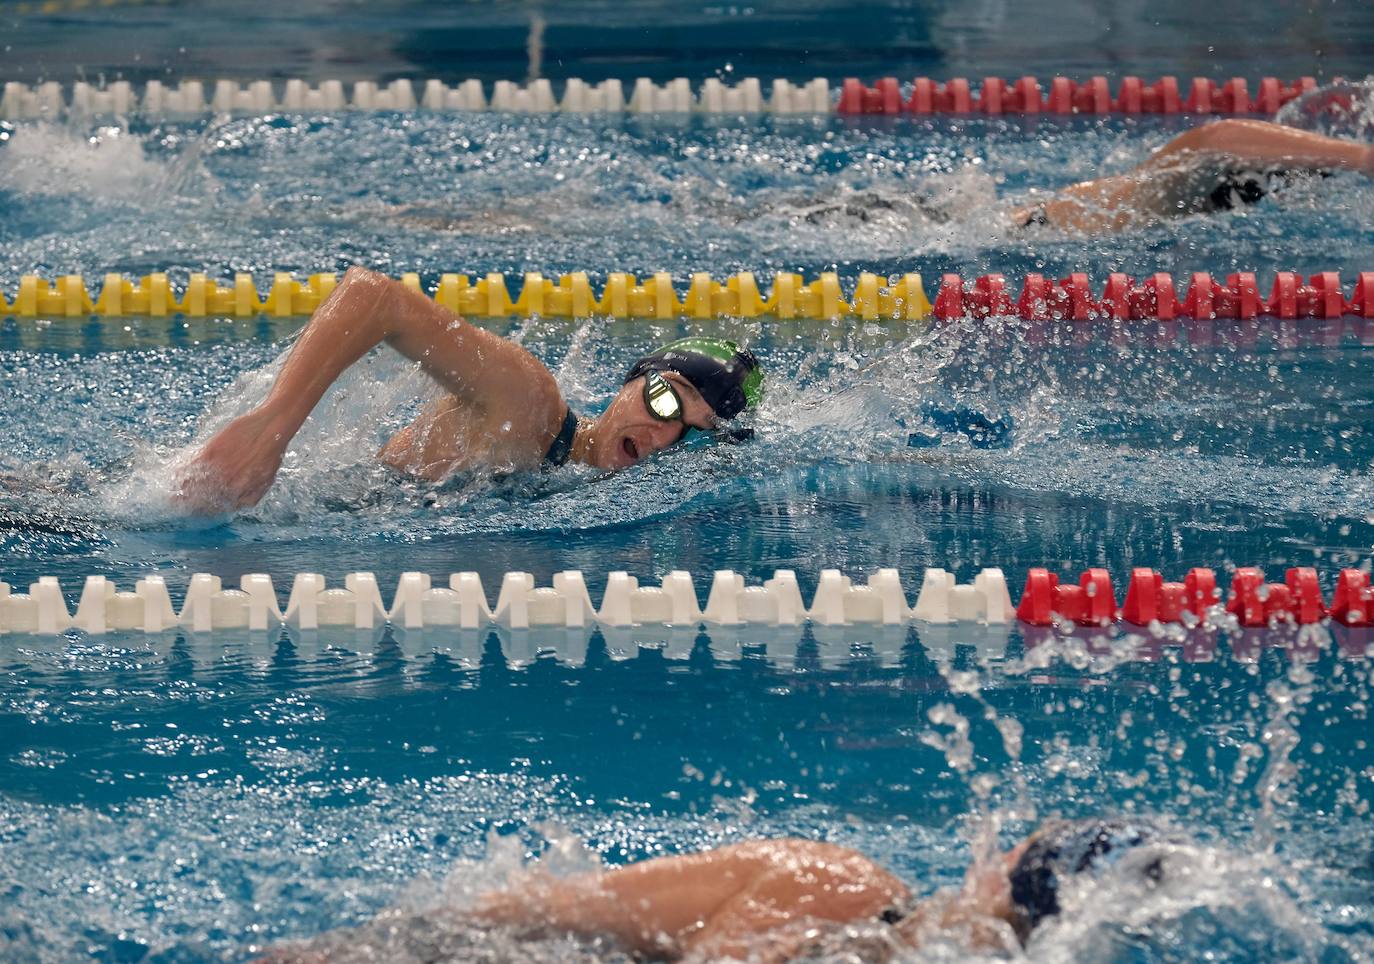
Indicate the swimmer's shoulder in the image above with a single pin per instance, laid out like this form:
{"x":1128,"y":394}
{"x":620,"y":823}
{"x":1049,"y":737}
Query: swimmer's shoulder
{"x":452,"y":435}
{"x":813,"y":860}
{"x":526,"y":415}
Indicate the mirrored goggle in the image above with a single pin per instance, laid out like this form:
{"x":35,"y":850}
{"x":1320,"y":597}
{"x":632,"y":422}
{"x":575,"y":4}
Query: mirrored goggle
{"x":663,"y":402}
{"x":661,"y":398}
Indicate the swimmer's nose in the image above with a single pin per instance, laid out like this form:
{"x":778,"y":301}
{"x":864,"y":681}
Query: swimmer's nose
{"x":665,"y":434}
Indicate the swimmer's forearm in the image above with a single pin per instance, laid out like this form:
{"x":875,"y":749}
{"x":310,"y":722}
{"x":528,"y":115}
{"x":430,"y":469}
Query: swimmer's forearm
{"x":1264,"y":143}
{"x":343,"y":329}
{"x":367,"y":308}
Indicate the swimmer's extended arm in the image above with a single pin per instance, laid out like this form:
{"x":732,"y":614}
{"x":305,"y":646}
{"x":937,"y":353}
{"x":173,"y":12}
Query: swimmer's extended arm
{"x":1265,"y":144}
{"x":493,"y":376}
{"x":1156,"y":187}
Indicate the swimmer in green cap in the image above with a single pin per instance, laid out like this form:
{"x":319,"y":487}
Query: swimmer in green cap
{"x":502,"y":408}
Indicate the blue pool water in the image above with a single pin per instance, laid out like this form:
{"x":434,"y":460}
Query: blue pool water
{"x":193,"y":798}
{"x":799,"y":39}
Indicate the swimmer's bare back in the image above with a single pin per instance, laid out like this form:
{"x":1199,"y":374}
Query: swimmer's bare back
{"x":1177,"y":179}
{"x":503,"y":407}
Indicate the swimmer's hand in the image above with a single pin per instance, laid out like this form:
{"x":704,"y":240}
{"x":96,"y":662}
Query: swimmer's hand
{"x":236,"y":467}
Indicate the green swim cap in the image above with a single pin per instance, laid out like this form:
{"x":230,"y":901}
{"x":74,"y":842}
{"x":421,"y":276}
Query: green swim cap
{"x":728,"y":377}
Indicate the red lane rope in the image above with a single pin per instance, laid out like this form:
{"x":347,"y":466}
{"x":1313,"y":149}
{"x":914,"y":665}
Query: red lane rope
{"x":1298,"y":599}
{"x":1322,"y":295}
{"x":1065,"y":96}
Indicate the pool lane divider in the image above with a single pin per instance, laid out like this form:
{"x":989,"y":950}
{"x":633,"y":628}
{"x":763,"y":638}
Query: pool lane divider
{"x":790,"y":296}
{"x":1065,"y":96}
{"x":571,"y":296}
{"x":417,"y":603}
{"x":1321,"y":295}
{"x":922,"y":96}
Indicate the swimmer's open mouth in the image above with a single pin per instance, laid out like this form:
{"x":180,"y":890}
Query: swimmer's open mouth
{"x":631,"y":449}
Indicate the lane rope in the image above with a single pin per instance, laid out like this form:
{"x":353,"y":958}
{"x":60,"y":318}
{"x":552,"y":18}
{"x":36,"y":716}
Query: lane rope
{"x":1065,"y":96}
{"x":790,"y":296}
{"x":922,"y":96}
{"x":418,"y":603}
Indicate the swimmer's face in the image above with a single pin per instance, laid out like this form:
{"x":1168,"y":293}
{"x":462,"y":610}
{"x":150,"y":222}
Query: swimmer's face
{"x":628,"y":432}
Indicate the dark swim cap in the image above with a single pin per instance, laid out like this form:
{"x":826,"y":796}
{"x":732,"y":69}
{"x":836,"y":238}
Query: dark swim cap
{"x":1064,"y":848}
{"x":728,"y":377}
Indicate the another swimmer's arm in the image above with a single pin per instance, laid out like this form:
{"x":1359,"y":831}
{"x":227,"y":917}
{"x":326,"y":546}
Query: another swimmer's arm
{"x":785,"y":910}
{"x":731,"y":902}
{"x":581,"y":905}
{"x":1263,"y":144}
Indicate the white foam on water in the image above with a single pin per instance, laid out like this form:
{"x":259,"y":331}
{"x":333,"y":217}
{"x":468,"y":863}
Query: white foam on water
{"x":43,"y":159}
{"x":1344,"y":108}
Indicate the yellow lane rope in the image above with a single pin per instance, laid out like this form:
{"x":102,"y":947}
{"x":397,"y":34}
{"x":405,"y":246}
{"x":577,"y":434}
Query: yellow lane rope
{"x":572,"y":296}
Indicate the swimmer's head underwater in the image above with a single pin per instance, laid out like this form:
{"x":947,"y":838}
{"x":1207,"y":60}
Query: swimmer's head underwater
{"x":1063,"y":849}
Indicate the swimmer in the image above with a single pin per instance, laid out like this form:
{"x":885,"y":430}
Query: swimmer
{"x":1214,"y":167}
{"x":779,"y":900}
{"x":502,"y":408}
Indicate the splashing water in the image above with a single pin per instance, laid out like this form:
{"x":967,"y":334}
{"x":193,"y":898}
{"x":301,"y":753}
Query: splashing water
{"x":1341,"y":109}
{"x":204,"y":799}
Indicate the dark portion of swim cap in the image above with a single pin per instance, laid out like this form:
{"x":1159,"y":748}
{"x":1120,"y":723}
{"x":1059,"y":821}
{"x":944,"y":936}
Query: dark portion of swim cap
{"x":727,"y":376}
{"x":1064,"y":848}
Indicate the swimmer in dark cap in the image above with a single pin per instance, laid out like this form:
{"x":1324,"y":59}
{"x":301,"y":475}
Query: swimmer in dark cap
{"x":1219,"y":166}
{"x":1064,"y":849}
{"x":1214,"y":167}
{"x":778,"y":900}
{"x":502,"y":408}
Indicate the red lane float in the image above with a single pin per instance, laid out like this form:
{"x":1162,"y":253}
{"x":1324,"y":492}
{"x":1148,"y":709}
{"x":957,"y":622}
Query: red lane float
{"x":1090,"y":603}
{"x":1255,"y":603}
{"x":1063,"y":95}
{"x":1353,"y":603}
{"x":1124,"y":298}
{"x":1149,"y":599}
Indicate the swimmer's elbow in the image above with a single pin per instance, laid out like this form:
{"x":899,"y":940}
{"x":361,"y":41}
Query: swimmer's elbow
{"x":357,"y":276}
{"x":1229,"y":135}
{"x":1234,"y":136}
{"x":377,"y":299}
{"x":1224,"y":134}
